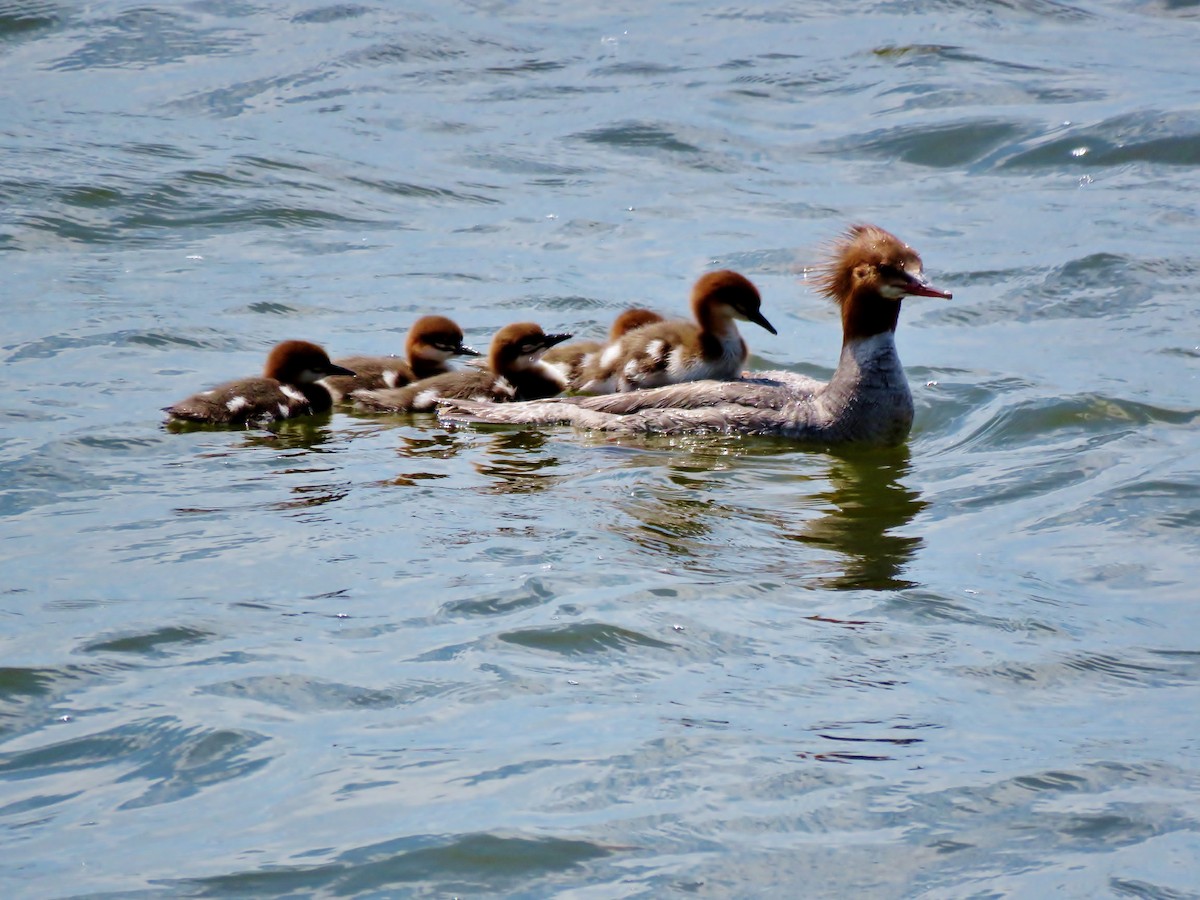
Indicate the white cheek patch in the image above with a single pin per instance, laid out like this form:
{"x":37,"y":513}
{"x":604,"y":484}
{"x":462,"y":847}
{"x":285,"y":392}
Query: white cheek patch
{"x":236,"y":403}
{"x":292,"y":394}
{"x":426,"y":399}
{"x":892,"y":292}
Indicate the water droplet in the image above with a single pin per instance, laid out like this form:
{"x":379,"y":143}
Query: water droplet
{"x":1079,"y":151}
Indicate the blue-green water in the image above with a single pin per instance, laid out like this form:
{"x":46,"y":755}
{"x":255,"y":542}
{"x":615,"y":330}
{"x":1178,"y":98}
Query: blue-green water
{"x":373,"y":657}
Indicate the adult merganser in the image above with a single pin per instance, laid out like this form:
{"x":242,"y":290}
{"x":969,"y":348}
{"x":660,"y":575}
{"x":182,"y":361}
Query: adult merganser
{"x":675,"y":352}
{"x":290,"y":386}
{"x":514,"y":372}
{"x":573,"y":359}
{"x":866,"y":401}
{"x":431,"y":343}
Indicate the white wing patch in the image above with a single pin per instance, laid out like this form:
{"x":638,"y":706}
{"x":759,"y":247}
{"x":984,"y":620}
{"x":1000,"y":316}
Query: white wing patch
{"x":390,"y":377}
{"x":292,"y":394}
{"x":426,"y":399}
{"x":233,"y":404}
{"x":610,"y":354}
{"x":283,"y":410}
{"x":503,"y":387}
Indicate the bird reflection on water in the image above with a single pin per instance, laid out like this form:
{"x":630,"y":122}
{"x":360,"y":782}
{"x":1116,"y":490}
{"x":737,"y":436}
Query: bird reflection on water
{"x":854,"y":505}
{"x":868,"y":504}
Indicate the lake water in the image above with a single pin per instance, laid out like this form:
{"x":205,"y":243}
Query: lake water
{"x":374,"y":657}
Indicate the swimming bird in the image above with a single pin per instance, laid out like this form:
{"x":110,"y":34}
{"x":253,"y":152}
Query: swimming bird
{"x":514,"y":372}
{"x":573,"y":359}
{"x":674,"y":352}
{"x":867,"y":400}
{"x":289,"y":386}
{"x":432,"y":341}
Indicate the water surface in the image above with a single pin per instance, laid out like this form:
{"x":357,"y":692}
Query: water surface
{"x":370,"y":656}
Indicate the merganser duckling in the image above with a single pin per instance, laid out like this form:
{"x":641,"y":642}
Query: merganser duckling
{"x":289,"y":387}
{"x":866,"y":401}
{"x":574,"y":358}
{"x":514,"y":372}
{"x":675,"y":352}
{"x":432,"y":342}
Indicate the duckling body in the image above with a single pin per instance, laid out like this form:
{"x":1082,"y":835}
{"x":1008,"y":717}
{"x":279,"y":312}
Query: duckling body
{"x":514,"y":372}
{"x":664,"y":353}
{"x":431,"y":343}
{"x":289,"y":387}
{"x":573,"y":359}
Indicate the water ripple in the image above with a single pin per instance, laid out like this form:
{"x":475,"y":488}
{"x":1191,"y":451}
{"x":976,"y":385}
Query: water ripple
{"x":472,"y":864}
{"x":148,"y":37}
{"x":173,"y":761}
{"x":582,"y":638}
{"x":1149,"y":136}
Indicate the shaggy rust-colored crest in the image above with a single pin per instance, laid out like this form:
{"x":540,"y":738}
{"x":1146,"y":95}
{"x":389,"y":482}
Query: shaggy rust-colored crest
{"x":861,"y":245}
{"x":868,"y":273}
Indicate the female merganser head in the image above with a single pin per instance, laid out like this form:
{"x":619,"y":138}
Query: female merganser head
{"x":514,"y":372}
{"x":289,"y":386}
{"x":674,"y":352}
{"x":867,"y":401}
{"x":432,"y":342}
{"x":571,"y":360}
{"x":868,"y":273}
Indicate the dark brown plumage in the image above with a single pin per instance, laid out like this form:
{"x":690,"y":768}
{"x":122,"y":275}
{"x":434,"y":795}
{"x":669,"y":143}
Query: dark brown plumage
{"x":287,"y":388}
